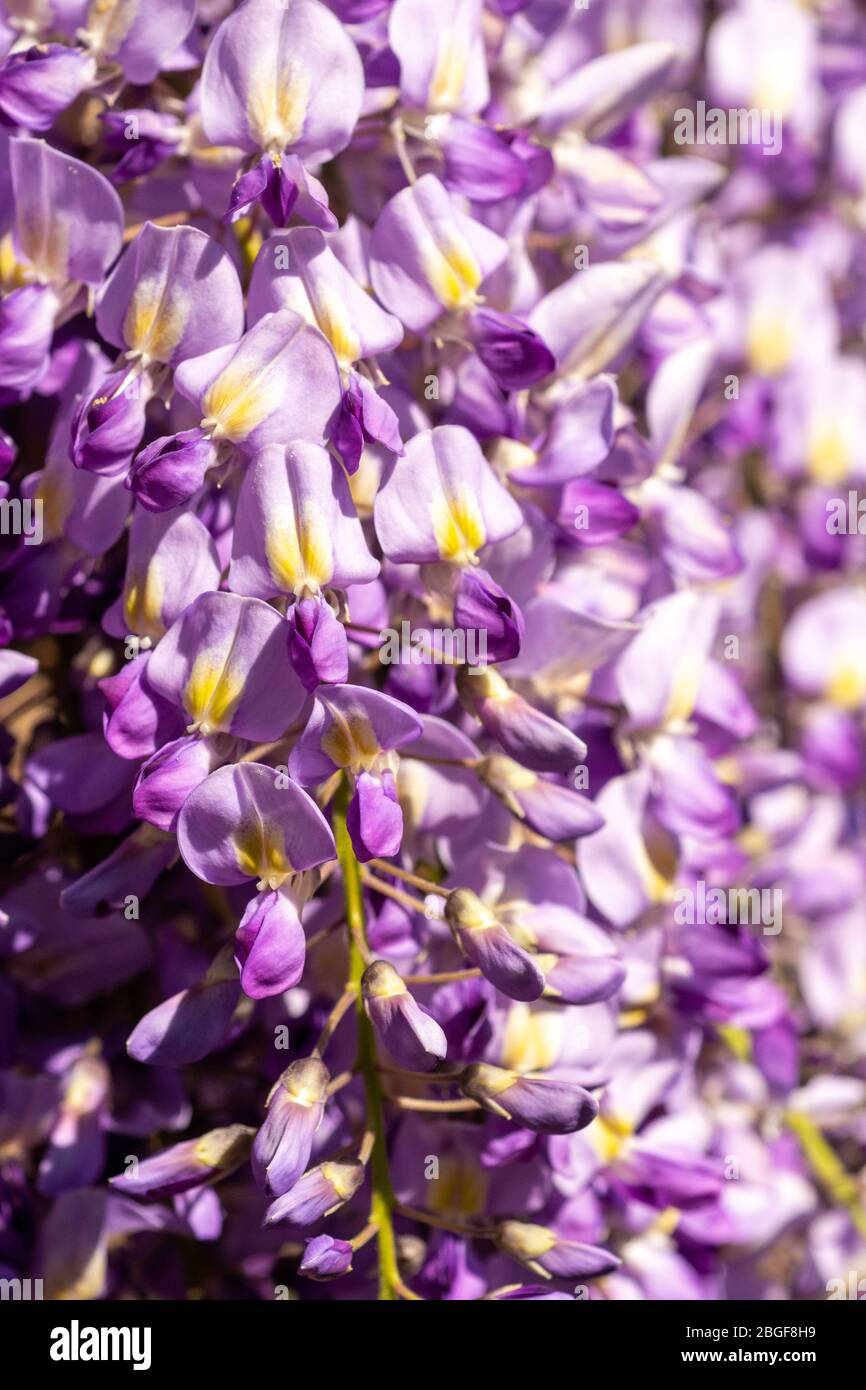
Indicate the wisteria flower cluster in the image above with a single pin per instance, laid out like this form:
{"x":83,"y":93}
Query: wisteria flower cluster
{"x":433,"y":649}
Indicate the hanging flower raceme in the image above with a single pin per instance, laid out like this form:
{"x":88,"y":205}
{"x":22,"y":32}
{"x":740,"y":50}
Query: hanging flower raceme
{"x":431,"y":649}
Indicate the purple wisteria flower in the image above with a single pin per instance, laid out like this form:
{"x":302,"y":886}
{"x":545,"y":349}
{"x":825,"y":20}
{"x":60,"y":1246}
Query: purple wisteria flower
{"x":432,"y":650}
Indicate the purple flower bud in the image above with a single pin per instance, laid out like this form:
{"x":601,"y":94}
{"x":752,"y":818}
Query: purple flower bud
{"x":408,"y":1032}
{"x":192,"y":1023}
{"x":176,"y":769}
{"x":479,"y":163}
{"x":326,"y":1258}
{"x":143,"y":138}
{"x":190,"y":1164}
{"x":481,"y":606}
{"x":582,"y":979}
{"x":532,"y":738}
{"x":487,"y":944}
{"x":107,"y":428}
{"x":319,"y":1193}
{"x":513,"y":353}
{"x":549,"y":809}
{"x":375,"y":818}
{"x":537,"y":160}
{"x":171,"y":469}
{"x":543,"y":1103}
{"x":546,"y":1253}
{"x":36,"y":85}
{"x":296,"y":1105}
{"x":270,"y":946}
{"x":318,"y":647}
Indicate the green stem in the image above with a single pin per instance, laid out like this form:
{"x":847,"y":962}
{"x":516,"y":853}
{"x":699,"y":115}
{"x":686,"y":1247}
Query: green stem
{"x":827,"y":1167}
{"x":382,"y":1199}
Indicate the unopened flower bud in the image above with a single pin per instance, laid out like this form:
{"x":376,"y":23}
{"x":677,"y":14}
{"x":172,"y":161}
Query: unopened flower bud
{"x":326,"y":1258}
{"x":191,"y":1164}
{"x":296,"y":1106}
{"x":409,"y":1033}
{"x":546,"y":1253}
{"x":542,"y":1103}
{"x":319,"y":1193}
{"x":487,"y":944}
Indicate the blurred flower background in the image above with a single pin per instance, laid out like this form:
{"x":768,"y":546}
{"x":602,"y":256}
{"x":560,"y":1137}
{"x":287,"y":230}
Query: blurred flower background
{"x":433,"y":649}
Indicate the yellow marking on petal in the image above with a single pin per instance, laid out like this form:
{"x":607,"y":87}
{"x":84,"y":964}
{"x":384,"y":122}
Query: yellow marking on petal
{"x":829,"y":458}
{"x":739,"y":1040}
{"x":45,"y":243}
{"x":54,"y":491}
{"x":608,"y":1136}
{"x":299,"y":551}
{"x":109,"y":22}
{"x":452,"y":270}
{"x":236,"y":402}
{"x":449,"y":74}
{"x":261,"y":854}
{"x":533,"y":1038}
{"x":770,"y":344}
{"x":458,"y":526}
{"x":684,"y":692}
{"x":461,"y":1187}
{"x":13,"y":273}
{"x":142,"y":603}
{"x":154,"y":320}
{"x":212,"y":694}
{"x":278,"y":101}
{"x":351,"y":742}
{"x":847,"y":684}
{"x":334,"y":322}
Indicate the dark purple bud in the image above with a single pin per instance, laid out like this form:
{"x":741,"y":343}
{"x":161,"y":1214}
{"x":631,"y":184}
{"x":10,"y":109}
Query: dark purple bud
{"x":537,"y":160}
{"x":320,"y":1192}
{"x":408,"y":1032}
{"x":143,"y":139}
{"x":514,"y":355}
{"x":488,"y":945}
{"x":36,"y":85}
{"x":543,"y":1103}
{"x":593,"y":514}
{"x":296,"y":1105}
{"x":480,"y":606}
{"x":248,"y":190}
{"x":363,"y":417}
{"x":171,"y":469}
{"x":106,"y":430}
{"x":326,"y":1258}
{"x":479,"y":163}
{"x":318,"y":647}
